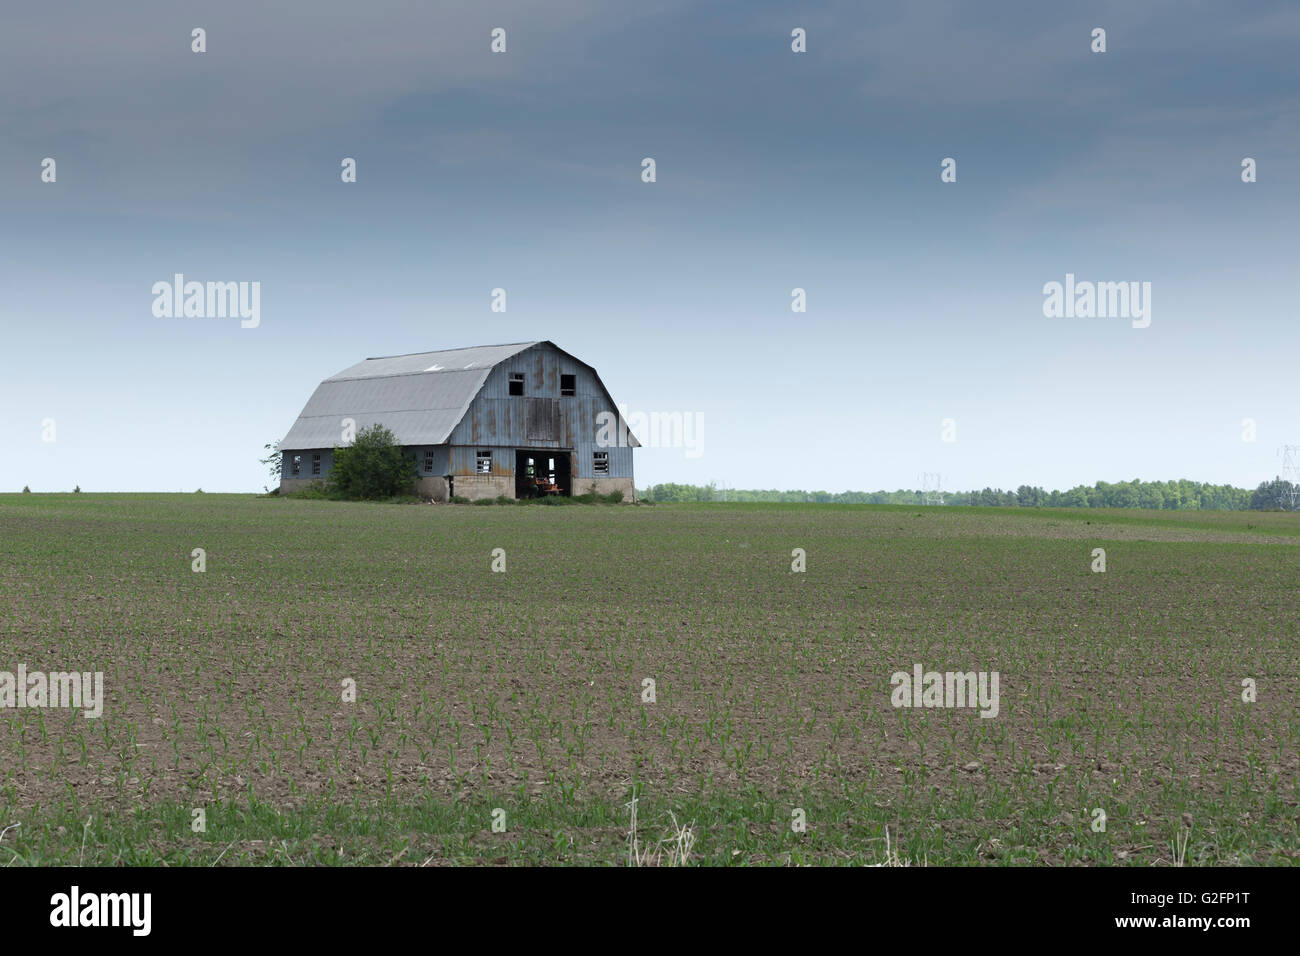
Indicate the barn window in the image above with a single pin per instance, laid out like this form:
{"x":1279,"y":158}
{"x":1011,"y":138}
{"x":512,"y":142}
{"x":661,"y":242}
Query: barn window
{"x":315,"y":463}
{"x":600,"y":463}
{"x":568,"y":385}
{"x":516,"y":383}
{"x":297,"y":465}
{"x":483,"y":463}
{"x":428,"y":462}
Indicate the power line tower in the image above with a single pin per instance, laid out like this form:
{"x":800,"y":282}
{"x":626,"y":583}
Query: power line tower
{"x":1291,"y":473}
{"x":932,"y":487}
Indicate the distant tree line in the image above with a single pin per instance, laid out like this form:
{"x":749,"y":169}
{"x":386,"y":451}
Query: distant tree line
{"x":1181,"y":495}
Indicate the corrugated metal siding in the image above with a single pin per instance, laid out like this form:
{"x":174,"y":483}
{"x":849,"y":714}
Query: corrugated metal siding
{"x":620,"y":460}
{"x":495,"y":417}
{"x":441,"y":460}
{"x":464,"y":459}
{"x":326,"y":462}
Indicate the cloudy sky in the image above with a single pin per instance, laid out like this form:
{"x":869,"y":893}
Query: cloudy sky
{"x":775,"y":170}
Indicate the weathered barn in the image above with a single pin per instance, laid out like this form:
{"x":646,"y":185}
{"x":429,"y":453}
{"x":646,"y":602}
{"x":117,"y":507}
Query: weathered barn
{"x":516,"y":420}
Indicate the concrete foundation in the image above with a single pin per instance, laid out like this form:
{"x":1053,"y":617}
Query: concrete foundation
{"x":603,"y":486}
{"x":290,"y":485}
{"x":475,"y":487}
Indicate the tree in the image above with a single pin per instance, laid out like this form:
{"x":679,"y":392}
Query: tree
{"x":373,"y":466}
{"x":1272,"y":495}
{"x":1161,"y":495}
{"x":1028,"y":497}
{"x":1077,"y":497}
{"x":273,"y":459}
{"x":1122,"y":494}
{"x":1149,"y":495}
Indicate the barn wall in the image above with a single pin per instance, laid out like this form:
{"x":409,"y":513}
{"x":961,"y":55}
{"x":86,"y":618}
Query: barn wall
{"x":464,"y":461}
{"x":440,"y":459}
{"x":326,"y":463}
{"x":498,"y":420}
{"x":620,"y":461}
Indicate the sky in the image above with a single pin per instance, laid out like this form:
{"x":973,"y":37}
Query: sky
{"x":924,"y":347}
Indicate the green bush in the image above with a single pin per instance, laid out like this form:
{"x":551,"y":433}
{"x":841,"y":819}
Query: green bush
{"x":373,"y":467}
{"x":77,"y":490}
{"x":321,"y":491}
{"x":459,"y":500}
{"x":614,"y":497}
{"x":484,"y":501}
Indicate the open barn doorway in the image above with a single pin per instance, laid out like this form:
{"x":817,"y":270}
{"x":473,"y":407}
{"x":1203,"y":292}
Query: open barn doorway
{"x":542,"y":472}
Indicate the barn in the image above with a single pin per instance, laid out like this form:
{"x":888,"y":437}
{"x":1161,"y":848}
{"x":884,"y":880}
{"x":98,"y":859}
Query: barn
{"x":518,"y":420}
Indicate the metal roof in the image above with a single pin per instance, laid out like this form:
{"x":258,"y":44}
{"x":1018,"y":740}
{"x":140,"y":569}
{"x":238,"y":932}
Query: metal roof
{"x":479,"y":357}
{"x":420,"y":397}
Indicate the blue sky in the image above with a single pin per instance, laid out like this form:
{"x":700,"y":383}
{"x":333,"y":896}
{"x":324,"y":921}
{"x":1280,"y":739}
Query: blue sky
{"x":775,"y":170}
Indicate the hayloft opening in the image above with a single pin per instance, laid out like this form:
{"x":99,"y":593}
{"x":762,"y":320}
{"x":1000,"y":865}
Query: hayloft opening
{"x":542,"y":419}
